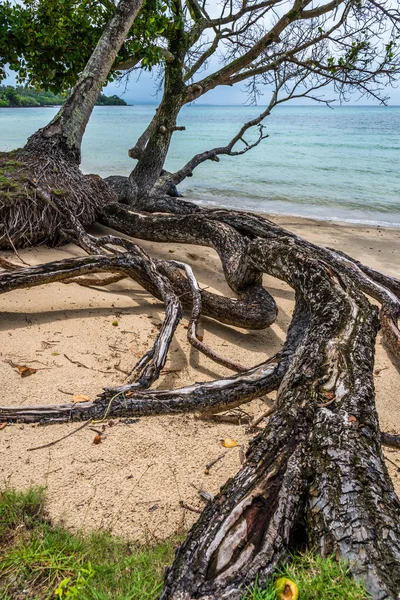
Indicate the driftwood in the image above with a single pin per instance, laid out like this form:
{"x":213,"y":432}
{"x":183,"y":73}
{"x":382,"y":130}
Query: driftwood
{"x":315,"y":476}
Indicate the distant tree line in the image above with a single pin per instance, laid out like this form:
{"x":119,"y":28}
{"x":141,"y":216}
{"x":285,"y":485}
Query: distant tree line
{"x":26,"y":96}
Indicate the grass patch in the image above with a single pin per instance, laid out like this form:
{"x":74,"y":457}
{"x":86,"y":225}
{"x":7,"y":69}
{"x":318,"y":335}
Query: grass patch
{"x":40,"y":561}
{"x":316,"y":578}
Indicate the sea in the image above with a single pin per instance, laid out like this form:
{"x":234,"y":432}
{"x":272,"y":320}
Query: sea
{"x":334,"y":164}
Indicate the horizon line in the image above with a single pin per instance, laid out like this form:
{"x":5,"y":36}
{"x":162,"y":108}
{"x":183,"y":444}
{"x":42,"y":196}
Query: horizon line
{"x":144,"y":103}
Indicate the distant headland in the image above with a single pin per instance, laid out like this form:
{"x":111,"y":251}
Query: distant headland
{"x":20,"y":96}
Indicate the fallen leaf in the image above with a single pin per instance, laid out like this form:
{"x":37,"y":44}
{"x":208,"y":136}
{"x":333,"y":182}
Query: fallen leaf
{"x":80,"y":398}
{"x":25,"y":371}
{"x":115,"y":323}
{"x":229,"y":443}
{"x":286,"y":589}
{"x":172,"y":251}
{"x":329,"y":395}
{"x":3,"y":426}
{"x":200,"y":338}
{"x":97,"y":439}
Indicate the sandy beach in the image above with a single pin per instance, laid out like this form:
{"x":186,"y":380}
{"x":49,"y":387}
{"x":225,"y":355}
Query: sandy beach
{"x":133,"y":482}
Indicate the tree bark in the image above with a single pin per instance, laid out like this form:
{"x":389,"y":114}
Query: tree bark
{"x":152,"y":147}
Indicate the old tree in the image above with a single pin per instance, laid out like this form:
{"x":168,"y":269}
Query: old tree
{"x":315,"y":475}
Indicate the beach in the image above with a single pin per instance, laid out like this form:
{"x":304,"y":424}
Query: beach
{"x":133,"y":483}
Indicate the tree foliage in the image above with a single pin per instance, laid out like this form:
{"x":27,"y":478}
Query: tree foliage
{"x":49,"y":42}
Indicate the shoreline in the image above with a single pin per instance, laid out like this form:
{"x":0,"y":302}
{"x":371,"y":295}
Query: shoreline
{"x":289,"y":215}
{"x":334,"y":220}
{"x":374,"y":245}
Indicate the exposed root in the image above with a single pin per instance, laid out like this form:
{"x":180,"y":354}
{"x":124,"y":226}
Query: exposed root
{"x":29,"y":189}
{"x":316,"y":472}
{"x":390,"y":439}
{"x":194,"y":321}
{"x":127,"y":400}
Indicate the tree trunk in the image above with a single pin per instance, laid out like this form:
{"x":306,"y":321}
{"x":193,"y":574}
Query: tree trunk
{"x":63,"y":135}
{"x":152,"y":148}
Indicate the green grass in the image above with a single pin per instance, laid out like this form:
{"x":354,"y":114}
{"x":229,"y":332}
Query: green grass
{"x":316,"y":578}
{"x":37,"y":556}
{"x":40,"y":561}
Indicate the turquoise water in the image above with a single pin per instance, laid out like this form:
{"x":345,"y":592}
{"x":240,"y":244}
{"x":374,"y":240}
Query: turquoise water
{"x":339,"y":164}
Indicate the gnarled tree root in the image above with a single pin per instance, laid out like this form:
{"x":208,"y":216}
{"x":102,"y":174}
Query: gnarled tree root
{"x":316,"y":474}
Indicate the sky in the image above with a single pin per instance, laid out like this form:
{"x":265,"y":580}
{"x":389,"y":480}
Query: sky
{"x":144,"y":91}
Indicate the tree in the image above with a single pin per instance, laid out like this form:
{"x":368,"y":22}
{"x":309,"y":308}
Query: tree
{"x":315,"y":474}
{"x":294,"y":48}
{"x":49,"y":162}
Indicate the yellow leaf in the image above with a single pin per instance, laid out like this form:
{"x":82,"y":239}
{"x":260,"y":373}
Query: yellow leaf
{"x":80,"y":398}
{"x":286,"y":589}
{"x":115,"y":323}
{"x":229,"y":443}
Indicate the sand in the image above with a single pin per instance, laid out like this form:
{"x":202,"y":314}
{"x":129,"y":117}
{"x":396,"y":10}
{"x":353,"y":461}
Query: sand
{"x":133,"y":483}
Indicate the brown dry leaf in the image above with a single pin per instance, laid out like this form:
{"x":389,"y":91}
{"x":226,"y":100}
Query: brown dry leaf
{"x":329,"y":395}
{"x":3,"y":425}
{"x":80,"y":398}
{"x":97,"y":438}
{"x":229,"y":443}
{"x":25,"y":371}
{"x":200,"y":338}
